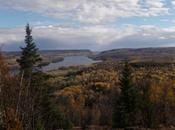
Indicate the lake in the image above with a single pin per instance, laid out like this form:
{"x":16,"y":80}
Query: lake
{"x":69,"y":61}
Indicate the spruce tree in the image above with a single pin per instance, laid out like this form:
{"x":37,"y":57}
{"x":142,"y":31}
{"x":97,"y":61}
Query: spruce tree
{"x":30,"y":57}
{"x":39,"y":110}
{"x":125,"y":106}
{"x":51,"y":117}
{"x":30,"y":90}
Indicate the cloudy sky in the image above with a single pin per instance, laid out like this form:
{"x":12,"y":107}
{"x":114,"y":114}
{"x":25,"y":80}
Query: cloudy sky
{"x":88,"y":24}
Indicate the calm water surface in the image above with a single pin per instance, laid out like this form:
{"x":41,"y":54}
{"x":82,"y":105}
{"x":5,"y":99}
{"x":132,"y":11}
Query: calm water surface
{"x":69,"y":61}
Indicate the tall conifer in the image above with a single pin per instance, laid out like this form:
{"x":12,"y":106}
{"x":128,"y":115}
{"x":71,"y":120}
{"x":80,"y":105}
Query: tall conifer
{"x":125,"y":106}
{"x":30,"y":57}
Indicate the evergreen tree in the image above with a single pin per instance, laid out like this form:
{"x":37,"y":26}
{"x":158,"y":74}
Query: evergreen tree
{"x":50,"y":116}
{"x":30,"y":57}
{"x":126,"y":104}
{"x":38,"y":107}
{"x":146,"y":106}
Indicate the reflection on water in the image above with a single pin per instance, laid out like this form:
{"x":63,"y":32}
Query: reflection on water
{"x":69,"y":61}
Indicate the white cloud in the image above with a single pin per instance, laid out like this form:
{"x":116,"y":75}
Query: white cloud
{"x":9,"y":35}
{"x":173,"y":2}
{"x":90,"y":11}
{"x":92,"y":37}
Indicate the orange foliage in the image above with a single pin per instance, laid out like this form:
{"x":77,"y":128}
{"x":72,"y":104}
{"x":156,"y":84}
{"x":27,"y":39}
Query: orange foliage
{"x":11,"y":120}
{"x":7,"y":89}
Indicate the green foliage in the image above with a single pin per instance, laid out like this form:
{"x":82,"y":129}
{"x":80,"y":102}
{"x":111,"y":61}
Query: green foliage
{"x":99,"y":94}
{"x":146,"y":104}
{"x":126,"y":105}
{"x":51,"y":116}
{"x":87,"y":94}
{"x":39,"y":124}
{"x":30,"y":56}
{"x":38,"y":94}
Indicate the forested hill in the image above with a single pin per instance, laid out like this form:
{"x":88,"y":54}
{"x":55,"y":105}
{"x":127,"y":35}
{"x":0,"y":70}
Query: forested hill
{"x":142,"y":54}
{"x":48,"y":56}
{"x":56,"y":52}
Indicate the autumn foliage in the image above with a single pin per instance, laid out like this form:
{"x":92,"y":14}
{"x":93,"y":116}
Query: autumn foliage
{"x":8,"y":89}
{"x":109,"y":93}
{"x":88,"y":95}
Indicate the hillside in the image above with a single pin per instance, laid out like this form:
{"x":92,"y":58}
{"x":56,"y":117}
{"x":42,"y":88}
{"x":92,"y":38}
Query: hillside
{"x":86,"y":94}
{"x":143,"y":54}
{"x":48,"y":56}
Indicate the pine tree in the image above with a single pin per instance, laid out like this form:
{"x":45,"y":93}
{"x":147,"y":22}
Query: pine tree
{"x":125,"y":106}
{"x":38,"y":110}
{"x":29,"y":92}
{"x":53,"y":118}
{"x":30,"y":57}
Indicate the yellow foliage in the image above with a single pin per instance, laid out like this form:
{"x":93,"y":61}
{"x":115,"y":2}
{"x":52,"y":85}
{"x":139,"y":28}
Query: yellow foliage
{"x":162,"y":91}
{"x":70,"y":91}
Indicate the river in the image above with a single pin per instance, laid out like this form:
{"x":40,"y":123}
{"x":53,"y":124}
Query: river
{"x":69,"y":61}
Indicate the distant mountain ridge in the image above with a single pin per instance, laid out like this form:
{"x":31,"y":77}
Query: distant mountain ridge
{"x":48,"y":56}
{"x":162,"y":54}
{"x":86,"y":51}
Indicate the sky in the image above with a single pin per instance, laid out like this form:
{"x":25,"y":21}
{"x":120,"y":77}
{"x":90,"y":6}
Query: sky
{"x":88,"y":24}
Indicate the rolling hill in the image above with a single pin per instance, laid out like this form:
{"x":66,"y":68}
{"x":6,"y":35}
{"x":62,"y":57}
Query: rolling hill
{"x":139,"y":55}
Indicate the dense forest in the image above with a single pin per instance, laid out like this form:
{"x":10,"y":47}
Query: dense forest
{"x":106,"y":95}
